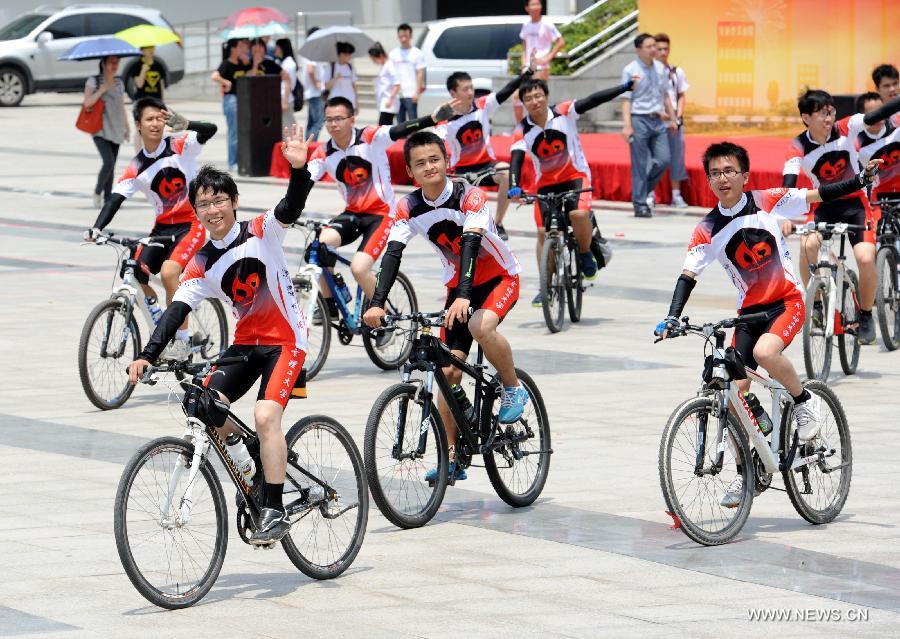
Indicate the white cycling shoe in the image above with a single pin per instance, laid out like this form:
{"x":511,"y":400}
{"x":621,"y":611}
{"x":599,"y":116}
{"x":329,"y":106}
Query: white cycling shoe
{"x":733,"y":494}
{"x":808,"y":417}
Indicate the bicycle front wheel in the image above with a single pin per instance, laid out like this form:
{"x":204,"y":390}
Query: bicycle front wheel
{"x":552,"y":285}
{"x":394,"y":467}
{"x":319,"y":340}
{"x":696,"y":500}
{"x":395,"y":351}
{"x":574,"y":284}
{"x":818,"y":491}
{"x":519,"y":460}
{"x":171,"y":532}
{"x":887,"y":298}
{"x":848,"y":340}
{"x":816,"y":342}
{"x":327,"y":526}
{"x":110,"y":340}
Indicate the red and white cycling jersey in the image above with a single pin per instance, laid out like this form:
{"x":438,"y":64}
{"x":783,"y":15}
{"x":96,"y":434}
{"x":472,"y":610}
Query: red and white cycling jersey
{"x":248,"y":270}
{"x":459,"y":208}
{"x":469,"y":135}
{"x":834,"y":161}
{"x":747,"y":241}
{"x":884,"y":145}
{"x":362,"y":171}
{"x":554,"y":150}
{"x":163,"y":176}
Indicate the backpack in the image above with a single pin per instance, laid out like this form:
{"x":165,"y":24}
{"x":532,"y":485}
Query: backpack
{"x":298,"y":96}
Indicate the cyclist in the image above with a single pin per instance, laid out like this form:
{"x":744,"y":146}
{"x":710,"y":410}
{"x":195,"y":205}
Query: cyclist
{"x":481,"y":273}
{"x":880,"y":141}
{"x":468,"y":133}
{"x":549,"y":135}
{"x":744,"y":233}
{"x":162,"y":170}
{"x":827,"y":153}
{"x":243,"y":263}
{"x":356,"y":158}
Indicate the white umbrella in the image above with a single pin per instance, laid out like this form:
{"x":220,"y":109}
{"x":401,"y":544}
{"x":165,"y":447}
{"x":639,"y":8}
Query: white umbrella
{"x":321,"y":46}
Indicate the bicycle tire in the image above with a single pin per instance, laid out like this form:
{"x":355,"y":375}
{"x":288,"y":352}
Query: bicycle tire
{"x":797,"y":493}
{"x":218,"y":334}
{"x":355,"y":489}
{"x":848,"y":343}
{"x":115,"y":366}
{"x":887,"y":298}
{"x":121,"y":522}
{"x":316,"y":355}
{"x":574,"y":284}
{"x":811,"y":336}
{"x":499,"y":479}
{"x":375,"y":353}
{"x":743,"y":464}
{"x":551,"y":288}
{"x":383,"y":495}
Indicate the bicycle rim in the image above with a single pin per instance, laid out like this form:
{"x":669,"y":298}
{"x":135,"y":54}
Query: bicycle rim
{"x":848,"y":341}
{"x":887,"y":298}
{"x":552,"y":286}
{"x":208,"y":326}
{"x":319,"y":339}
{"x":103,"y":377}
{"x":816,"y":345}
{"x":401,"y":300}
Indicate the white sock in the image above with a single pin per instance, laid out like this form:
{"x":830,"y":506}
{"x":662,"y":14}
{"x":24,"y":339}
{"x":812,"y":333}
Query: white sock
{"x":183,"y":334}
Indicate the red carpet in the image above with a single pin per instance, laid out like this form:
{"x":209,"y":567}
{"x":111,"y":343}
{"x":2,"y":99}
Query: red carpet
{"x":610,"y":164}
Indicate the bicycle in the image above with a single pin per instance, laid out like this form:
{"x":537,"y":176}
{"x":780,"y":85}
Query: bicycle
{"x":317,"y":258}
{"x":693,"y":470}
{"x":827,"y":312}
{"x":887,"y":296}
{"x":111,"y":338}
{"x":475,"y":178}
{"x":170,"y":519}
{"x":560,"y":271}
{"x":398,"y":450}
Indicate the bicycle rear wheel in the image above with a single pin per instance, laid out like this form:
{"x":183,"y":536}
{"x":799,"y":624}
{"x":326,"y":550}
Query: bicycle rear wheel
{"x":327,"y":530}
{"x":887,"y":298}
{"x":818,"y":491}
{"x":552,"y":284}
{"x":848,"y":340}
{"x":696,"y":500}
{"x":519,"y":462}
{"x":396,"y":472}
{"x":816,"y":345}
{"x":208,"y":325}
{"x":574,"y":288}
{"x":319,"y":340}
{"x":393,"y":353}
{"x":110,"y":340}
{"x":171,"y":544}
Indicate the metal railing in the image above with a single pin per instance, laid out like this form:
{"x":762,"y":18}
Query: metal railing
{"x":597,"y":44}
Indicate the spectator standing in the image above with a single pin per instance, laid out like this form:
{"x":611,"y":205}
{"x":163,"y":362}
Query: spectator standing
{"x":340,"y":77}
{"x":260,"y":64}
{"x":233,"y":67}
{"x":109,"y":88}
{"x":387,"y":86}
{"x":149,"y":80}
{"x":648,"y":115}
{"x":676,"y":87}
{"x":310,"y":76}
{"x":409,"y":62}
{"x":541,"y":41}
{"x":284,"y":54}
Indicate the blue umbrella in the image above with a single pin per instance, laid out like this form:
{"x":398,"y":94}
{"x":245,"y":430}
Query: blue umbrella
{"x":100,"y":48}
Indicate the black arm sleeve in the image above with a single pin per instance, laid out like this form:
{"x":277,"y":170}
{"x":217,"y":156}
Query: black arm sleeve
{"x":468,"y":257}
{"x":174,"y":317}
{"x":683,"y":288}
{"x":390,"y":266}
{"x":883,"y":112}
{"x":409,"y":127}
{"x":291,"y":206}
{"x":511,"y":86}
{"x":109,"y":210}
{"x":516,"y":159}
{"x":837,"y":190}
{"x":789,"y":181}
{"x":205,"y":130}
{"x":598,"y":98}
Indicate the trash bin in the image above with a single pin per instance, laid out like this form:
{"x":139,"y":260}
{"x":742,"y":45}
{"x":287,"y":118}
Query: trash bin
{"x":259,"y":122}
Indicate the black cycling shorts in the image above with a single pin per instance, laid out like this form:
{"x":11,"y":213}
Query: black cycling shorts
{"x":850,"y":211}
{"x":279,"y":367}
{"x":499,"y":294}
{"x":373,"y":227}
{"x":785,"y":320}
{"x":189,"y":238}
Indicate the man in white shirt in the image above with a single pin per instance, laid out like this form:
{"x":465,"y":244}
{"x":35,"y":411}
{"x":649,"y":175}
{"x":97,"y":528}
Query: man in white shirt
{"x":409,"y":62}
{"x":677,"y":86}
{"x":340,"y":77}
{"x":541,"y":41}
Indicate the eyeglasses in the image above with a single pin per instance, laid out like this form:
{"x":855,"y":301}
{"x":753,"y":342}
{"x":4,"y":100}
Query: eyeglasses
{"x":217,"y":203}
{"x":825,"y":112}
{"x":716,"y":174}
{"x":330,"y":121}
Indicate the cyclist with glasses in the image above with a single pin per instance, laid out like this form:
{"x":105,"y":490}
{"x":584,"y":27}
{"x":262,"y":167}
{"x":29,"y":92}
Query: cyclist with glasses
{"x":745,"y":233}
{"x":243,"y":263}
{"x":481,"y":273}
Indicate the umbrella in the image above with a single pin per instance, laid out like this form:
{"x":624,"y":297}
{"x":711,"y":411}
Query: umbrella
{"x":321,"y":46}
{"x":100,"y":48}
{"x":251,"y":31}
{"x":148,"y":35}
{"x":258,"y":16}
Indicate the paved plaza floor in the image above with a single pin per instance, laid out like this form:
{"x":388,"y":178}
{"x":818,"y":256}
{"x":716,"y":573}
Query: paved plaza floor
{"x":595,"y":556}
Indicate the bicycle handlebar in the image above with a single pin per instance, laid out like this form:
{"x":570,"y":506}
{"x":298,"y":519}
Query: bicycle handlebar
{"x":824,"y":227}
{"x":150,"y":240}
{"x":425,"y":319}
{"x":186,"y":366}
{"x":710,"y":328}
{"x":550,"y":197}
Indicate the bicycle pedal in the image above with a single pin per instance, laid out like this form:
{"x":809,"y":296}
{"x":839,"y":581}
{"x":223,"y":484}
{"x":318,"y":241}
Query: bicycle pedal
{"x":263,"y":546}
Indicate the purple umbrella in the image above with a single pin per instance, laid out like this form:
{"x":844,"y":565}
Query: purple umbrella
{"x":100,"y":48}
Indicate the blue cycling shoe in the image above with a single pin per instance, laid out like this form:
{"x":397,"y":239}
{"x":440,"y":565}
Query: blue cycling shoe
{"x":431,"y":475}
{"x":588,"y":265}
{"x":512,"y":404}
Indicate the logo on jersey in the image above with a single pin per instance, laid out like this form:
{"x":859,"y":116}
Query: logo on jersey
{"x":890,"y":153}
{"x":752,"y":250}
{"x":355,"y":172}
{"x":446,"y":235}
{"x":470,"y":136}
{"x":243,"y":281}
{"x":170,"y":184}
{"x":551,"y":149}
{"x":832,"y":166}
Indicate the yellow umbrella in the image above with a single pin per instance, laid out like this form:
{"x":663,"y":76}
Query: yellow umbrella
{"x":148,"y":35}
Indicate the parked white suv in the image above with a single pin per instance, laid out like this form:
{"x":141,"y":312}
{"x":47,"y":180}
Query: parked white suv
{"x":31,"y":44}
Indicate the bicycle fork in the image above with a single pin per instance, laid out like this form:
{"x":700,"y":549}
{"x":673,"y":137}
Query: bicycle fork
{"x":194,"y":433}
{"x":427,"y":404}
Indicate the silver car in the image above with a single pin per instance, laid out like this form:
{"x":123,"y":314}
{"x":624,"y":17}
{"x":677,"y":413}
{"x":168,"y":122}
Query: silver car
{"x":31,"y":44}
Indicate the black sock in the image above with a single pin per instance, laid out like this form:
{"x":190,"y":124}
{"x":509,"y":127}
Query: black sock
{"x":273,"y":496}
{"x":865,"y":313}
{"x":802,"y":397}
